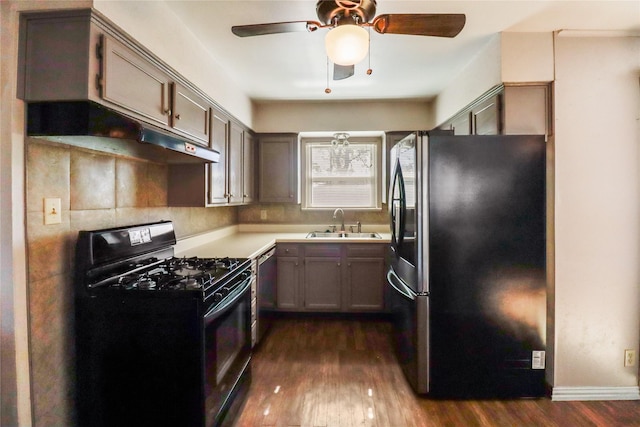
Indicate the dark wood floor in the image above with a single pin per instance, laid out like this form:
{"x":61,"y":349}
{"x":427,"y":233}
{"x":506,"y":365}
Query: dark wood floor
{"x":342,"y":372}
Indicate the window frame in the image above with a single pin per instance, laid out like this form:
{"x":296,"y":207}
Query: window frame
{"x":377,"y":140}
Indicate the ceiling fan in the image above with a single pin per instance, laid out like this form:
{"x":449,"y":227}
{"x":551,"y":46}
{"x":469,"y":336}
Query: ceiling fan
{"x":347,"y":41}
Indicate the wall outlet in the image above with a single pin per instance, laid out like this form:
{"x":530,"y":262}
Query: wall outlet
{"x":263,"y":214}
{"x":52,"y":211}
{"x":629,"y":358}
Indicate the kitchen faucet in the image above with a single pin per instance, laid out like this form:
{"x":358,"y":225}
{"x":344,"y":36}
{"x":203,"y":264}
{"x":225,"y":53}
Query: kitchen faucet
{"x":335,"y":214}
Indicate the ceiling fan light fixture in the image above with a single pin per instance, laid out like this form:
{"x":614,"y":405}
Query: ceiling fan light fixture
{"x":347,"y":44}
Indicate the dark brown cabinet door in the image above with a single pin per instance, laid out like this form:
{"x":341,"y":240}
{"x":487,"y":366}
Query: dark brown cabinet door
{"x":365,"y":284}
{"x":486,"y":117}
{"x":134,"y":84}
{"x":287,"y":281}
{"x":277,"y":166}
{"x":235,"y":163}
{"x":461,"y":125}
{"x":322,"y":284}
{"x":218,"y":171}
{"x":191,"y":114}
{"x":248,"y":168}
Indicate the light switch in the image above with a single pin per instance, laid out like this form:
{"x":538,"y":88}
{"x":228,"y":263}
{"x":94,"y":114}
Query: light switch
{"x":52,"y":211}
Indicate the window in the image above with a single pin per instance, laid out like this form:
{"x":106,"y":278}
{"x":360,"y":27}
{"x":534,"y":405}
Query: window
{"x":341,"y":172}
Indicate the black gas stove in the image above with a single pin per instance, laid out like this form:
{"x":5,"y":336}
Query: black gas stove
{"x":150,"y":265}
{"x":181,"y":274}
{"x":160,"y":340}
{"x":213,"y":277}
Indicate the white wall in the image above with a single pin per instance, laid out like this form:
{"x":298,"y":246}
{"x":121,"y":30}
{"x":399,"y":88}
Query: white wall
{"x":157,"y":28}
{"x":535,"y":66}
{"x":597,"y":109}
{"x":347,"y":116}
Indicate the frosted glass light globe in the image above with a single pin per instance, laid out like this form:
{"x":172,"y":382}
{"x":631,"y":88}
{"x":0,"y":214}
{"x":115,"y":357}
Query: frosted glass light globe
{"x":347,"y":44}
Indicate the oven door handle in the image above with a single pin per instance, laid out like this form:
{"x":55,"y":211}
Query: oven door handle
{"x":226,"y":305}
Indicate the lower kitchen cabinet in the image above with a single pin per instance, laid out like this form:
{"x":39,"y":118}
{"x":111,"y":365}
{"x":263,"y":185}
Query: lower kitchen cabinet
{"x":319,"y":277}
{"x":364,"y":277}
{"x":287,"y":283}
{"x":287,"y":277}
{"x":365,"y":284}
{"x":322,"y":283}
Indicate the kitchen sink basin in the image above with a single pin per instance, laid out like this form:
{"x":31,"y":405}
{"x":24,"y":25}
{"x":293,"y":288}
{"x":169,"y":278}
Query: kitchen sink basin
{"x":341,"y":235}
{"x":363,"y":236}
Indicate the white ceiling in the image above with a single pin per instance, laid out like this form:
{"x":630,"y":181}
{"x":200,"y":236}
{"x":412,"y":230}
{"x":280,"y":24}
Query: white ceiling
{"x":293,"y":66}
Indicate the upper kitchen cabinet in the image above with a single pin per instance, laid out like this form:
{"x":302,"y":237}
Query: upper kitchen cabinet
{"x":510,"y":109}
{"x":277,"y":166}
{"x":249,"y":170}
{"x":217,"y":182}
{"x":191,"y":114}
{"x":235,"y":164}
{"x":528,"y":109}
{"x":486,"y":117}
{"x":132,"y":83}
{"x":231,"y":181}
{"x":88,"y":58}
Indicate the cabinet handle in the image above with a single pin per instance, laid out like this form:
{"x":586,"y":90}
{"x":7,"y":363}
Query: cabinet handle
{"x":338,"y":264}
{"x":177,"y":116}
{"x":291,"y":196}
{"x":348,"y":264}
{"x":168,"y":112}
{"x":286,"y":250}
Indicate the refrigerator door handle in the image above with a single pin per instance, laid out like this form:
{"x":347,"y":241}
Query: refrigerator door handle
{"x":397,"y":207}
{"x":397,"y":283}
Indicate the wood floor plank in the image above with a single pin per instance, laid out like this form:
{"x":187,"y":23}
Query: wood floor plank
{"x":332,"y":372}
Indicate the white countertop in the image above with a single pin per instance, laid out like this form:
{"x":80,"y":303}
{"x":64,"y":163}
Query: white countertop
{"x":251,"y":240}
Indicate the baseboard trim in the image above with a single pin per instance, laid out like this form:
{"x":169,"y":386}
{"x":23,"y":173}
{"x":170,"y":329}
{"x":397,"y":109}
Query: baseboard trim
{"x":595,"y":393}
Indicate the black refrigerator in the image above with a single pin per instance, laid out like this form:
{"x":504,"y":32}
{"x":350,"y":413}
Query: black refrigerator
{"x":467,"y":270}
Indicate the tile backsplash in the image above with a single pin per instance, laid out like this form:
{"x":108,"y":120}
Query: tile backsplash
{"x":96,"y":191}
{"x":278,"y":213}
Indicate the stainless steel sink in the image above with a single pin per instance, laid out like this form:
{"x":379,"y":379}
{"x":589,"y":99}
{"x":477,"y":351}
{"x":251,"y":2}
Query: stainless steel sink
{"x":342,"y":235}
{"x":362,"y":236}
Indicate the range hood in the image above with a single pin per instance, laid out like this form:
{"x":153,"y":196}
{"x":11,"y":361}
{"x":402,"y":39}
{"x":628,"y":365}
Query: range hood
{"x":90,"y":125}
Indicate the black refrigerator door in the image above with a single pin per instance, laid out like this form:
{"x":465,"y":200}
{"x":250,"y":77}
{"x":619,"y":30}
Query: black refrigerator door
{"x":411,"y":331}
{"x":402,"y":209}
{"x":487,"y":265}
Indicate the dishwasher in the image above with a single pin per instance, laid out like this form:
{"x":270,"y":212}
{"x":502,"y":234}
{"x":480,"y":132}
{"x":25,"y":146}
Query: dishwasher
{"x":266,"y":298}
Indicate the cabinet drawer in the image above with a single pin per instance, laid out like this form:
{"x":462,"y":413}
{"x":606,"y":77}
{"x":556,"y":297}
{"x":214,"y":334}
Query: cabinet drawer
{"x":322,"y":249}
{"x":364,"y":250}
{"x":284,"y":249}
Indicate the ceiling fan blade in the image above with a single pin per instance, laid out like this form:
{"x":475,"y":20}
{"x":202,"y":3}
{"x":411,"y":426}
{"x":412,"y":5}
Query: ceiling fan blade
{"x":438,"y":25}
{"x":275,"y":28}
{"x":341,"y":72}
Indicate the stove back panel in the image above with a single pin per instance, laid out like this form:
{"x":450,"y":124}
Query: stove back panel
{"x":95,"y":248}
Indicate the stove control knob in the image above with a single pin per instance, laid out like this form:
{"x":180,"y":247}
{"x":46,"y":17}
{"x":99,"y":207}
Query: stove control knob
{"x":226,"y":290}
{"x":217,"y":297}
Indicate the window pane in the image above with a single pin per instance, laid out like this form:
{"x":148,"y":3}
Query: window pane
{"x":341,"y":176}
{"x":331,"y":193}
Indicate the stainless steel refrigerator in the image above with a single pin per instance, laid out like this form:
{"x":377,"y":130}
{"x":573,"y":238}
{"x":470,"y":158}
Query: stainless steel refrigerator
{"x":467,"y":274}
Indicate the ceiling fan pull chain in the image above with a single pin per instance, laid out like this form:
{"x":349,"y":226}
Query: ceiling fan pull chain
{"x":369,"y":70}
{"x":328,"y":89}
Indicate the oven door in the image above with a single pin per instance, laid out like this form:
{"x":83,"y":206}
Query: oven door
{"x":228,"y":355}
